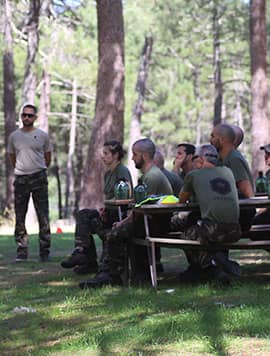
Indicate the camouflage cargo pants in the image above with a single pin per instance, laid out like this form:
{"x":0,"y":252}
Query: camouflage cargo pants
{"x":24,"y":186}
{"x":116,"y":245}
{"x":89,"y":222}
{"x":209,"y":232}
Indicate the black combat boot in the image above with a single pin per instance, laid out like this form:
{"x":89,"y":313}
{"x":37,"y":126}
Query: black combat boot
{"x":77,"y":258}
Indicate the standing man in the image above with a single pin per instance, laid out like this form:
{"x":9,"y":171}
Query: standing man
{"x":30,"y":153}
{"x":223,"y":138}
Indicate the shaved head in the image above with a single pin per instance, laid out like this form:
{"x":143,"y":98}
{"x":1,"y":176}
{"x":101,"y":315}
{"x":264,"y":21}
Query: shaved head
{"x":239,"y":135}
{"x":226,"y":132}
{"x":145,"y":145}
{"x":159,"y":159}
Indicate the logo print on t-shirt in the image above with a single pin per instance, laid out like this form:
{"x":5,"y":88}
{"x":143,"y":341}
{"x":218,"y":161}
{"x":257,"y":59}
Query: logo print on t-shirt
{"x":220,"y":185}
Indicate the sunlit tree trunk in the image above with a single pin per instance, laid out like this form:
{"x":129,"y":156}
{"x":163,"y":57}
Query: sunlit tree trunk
{"x":109,"y":112}
{"x":55,"y":170}
{"x":135,"y":124}
{"x":32,"y":30}
{"x":9,"y":100}
{"x":217,"y":67}
{"x":69,"y":201}
{"x":44,"y":103}
{"x":259,"y":86}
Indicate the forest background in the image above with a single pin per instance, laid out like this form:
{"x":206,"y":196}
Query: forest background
{"x":182,"y":67}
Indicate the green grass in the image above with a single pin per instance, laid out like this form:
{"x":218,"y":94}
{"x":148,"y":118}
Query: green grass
{"x":189,"y":320}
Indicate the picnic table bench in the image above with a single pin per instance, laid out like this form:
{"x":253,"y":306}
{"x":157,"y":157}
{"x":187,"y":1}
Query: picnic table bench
{"x":173,"y":240}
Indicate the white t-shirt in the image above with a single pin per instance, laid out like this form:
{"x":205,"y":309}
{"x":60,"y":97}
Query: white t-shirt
{"x":29,"y":148}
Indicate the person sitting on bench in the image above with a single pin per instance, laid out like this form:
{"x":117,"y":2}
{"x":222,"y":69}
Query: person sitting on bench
{"x":225,"y":141}
{"x":91,"y":221}
{"x":263,"y":216}
{"x":113,"y":260}
{"x":215,"y":191}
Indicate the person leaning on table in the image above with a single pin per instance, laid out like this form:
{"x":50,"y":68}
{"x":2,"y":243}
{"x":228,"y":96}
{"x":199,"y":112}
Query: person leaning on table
{"x":91,"y":221}
{"x":215,"y":191}
{"x":113,"y":261}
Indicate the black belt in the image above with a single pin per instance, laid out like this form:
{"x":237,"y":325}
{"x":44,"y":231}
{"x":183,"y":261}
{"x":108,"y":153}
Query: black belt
{"x":33,"y":175}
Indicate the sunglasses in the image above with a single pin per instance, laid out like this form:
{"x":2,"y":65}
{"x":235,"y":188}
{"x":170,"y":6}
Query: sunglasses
{"x":25,"y":114}
{"x":206,"y":155}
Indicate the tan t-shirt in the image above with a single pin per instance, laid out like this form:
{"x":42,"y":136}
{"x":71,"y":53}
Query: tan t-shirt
{"x":29,"y":148}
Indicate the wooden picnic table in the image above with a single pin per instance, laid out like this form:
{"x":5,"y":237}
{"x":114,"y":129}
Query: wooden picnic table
{"x":174,"y":240}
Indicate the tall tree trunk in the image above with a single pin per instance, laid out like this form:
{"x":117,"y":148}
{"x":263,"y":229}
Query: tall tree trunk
{"x":135,"y":124}
{"x":69,"y":201}
{"x":259,"y":86}
{"x":109,"y":114}
{"x":9,"y":101}
{"x":30,"y":79}
{"x":55,"y":170}
{"x":29,"y":87}
{"x":197,"y":97}
{"x":79,"y":171}
{"x":217,"y":67}
{"x":44,"y":104}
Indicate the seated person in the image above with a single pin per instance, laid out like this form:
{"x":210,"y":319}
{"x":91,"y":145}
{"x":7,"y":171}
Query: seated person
{"x":215,"y":191}
{"x":175,"y":179}
{"x":113,"y":260}
{"x":263,"y":216}
{"x":224,"y":139}
{"x":182,"y":163}
{"x":239,"y":135}
{"x":91,"y":221}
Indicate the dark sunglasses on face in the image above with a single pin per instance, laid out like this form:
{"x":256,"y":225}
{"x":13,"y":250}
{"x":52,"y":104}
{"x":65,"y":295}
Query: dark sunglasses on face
{"x":24,"y":114}
{"x":206,"y":155}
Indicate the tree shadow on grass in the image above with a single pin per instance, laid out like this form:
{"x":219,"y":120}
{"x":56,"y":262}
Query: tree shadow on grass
{"x":133,"y":319}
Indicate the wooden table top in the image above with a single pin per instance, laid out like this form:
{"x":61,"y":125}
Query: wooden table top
{"x":254,"y":202}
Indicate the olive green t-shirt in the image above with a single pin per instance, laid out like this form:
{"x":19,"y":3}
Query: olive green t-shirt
{"x":156,"y":182}
{"x":216,"y":193}
{"x":175,"y":180}
{"x":111,"y":178}
{"x":239,"y":166}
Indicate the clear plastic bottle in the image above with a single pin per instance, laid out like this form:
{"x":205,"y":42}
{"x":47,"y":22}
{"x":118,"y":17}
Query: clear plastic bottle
{"x":121,"y":190}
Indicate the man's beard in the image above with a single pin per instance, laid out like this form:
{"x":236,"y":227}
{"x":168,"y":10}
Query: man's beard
{"x":28,"y":124}
{"x":139,"y":164}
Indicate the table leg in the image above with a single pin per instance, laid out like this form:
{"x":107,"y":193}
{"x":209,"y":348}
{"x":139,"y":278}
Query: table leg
{"x":152,"y":264}
{"x":119,"y":213}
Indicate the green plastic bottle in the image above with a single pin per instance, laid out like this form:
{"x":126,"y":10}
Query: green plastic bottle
{"x":140,"y":191}
{"x":261,"y":183}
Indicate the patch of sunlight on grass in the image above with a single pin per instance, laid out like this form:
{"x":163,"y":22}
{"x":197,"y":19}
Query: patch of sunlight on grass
{"x":61,"y":283}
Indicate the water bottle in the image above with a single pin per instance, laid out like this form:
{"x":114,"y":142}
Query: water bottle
{"x":140,"y":192}
{"x":261,"y":184}
{"x":121,"y":190}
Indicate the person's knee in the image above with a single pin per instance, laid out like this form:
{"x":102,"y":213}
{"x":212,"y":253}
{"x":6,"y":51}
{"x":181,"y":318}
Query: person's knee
{"x":87,"y":214}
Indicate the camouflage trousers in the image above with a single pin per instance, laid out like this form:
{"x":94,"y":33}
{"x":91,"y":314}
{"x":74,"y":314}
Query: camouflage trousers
{"x":209,"y":232}
{"x":89,"y":222}
{"x":24,"y":186}
{"x":116,"y":246}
